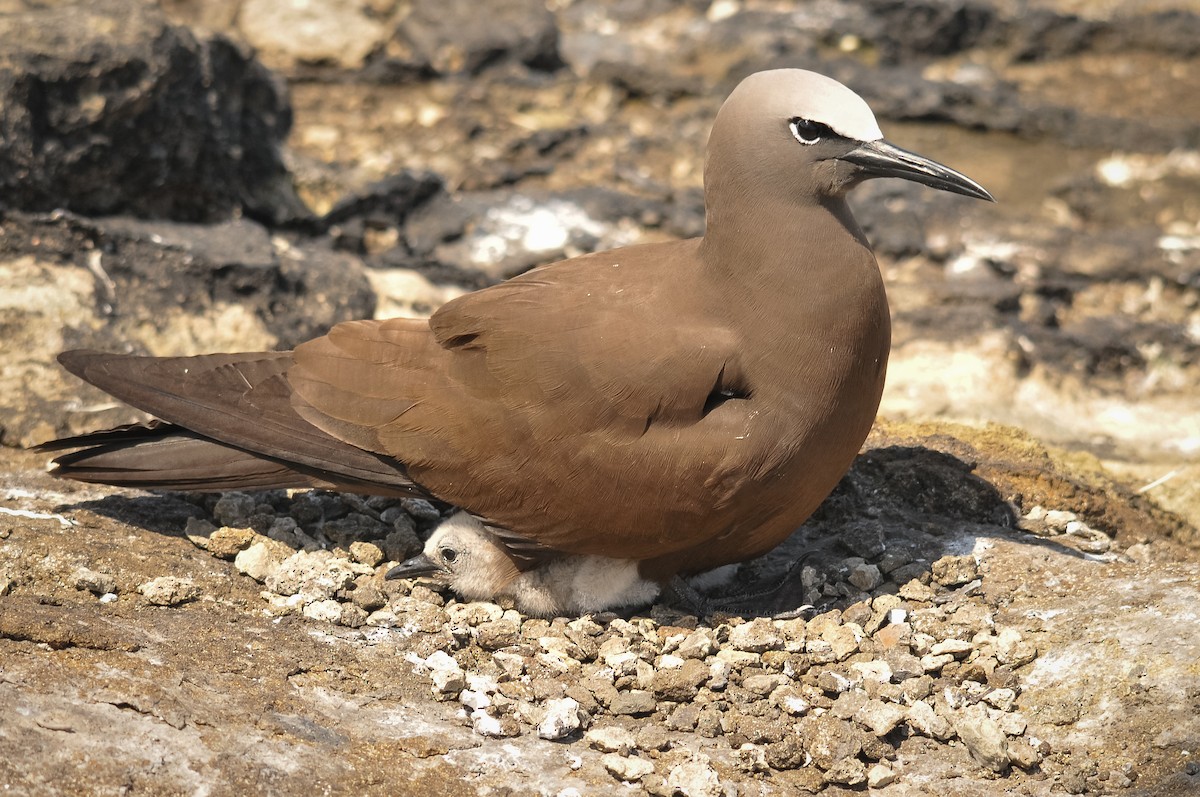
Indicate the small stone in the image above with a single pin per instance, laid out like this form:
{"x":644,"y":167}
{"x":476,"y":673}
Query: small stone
{"x":401,"y":544}
{"x":921,"y":643}
{"x":865,"y":576}
{"x":652,"y":737}
{"x":955,"y":647}
{"x":864,"y":538}
{"x":83,"y":578}
{"x":893,"y":559}
{"x":197,"y":530}
{"x":585,"y":625}
{"x":680,"y":684}
{"x":227,"y":541}
{"x":169,"y":591}
{"x":927,"y":722}
{"x":708,"y":724}
{"x":695,"y":778}
{"x":756,"y":636}
{"x":684,"y":717}
{"x":1022,"y":753}
{"x":931,"y":663}
{"x":282,"y":605}
{"x":496,"y":634}
{"x":474,"y":700}
{"x":447,"y":682}
{"x":893,"y":636}
{"x":286,"y":530}
{"x":633,"y":702}
{"x":261,"y":559}
{"x":352,"y":616}
{"x":790,"y":699}
{"x":367,"y":553}
{"x":421,"y":510}
{"x":418,"y":616}
{"x":847,"y":772}
{"x":234,"y":509}
{"x":984,"y":740}
{"x":629,"y":769}
{"x":848,"y":704}
{"x":1012,"y":649}
{"x":881,"y":718}
{"x":833,"y":682}
{"x":879,"y":776}
{"x":829,"y":740}
{"x":951,"y":571}
{"x":914,"y":590}
{"x":1002,"y":699}
{"x":787,"y":754}
{"x":318,"y":575}
{"x":738,"y":659}
{"x":751,"y":758}
{"x":622,"y":663}
{"x":368,"y":597}
{"x":326,"y":611}
{"x":1013,"y":723}
{"x":878,"y":671}
{"x":904,"y":665}
{"x":611,"y":739}
{"x":485,"y":724}
{"x":513,"y":664}
{"x":476,"y":614}
{"x":1058,"y":519}
{"x":718,"y":675}
{"x":1089,"y":540}
{"x":763,"y":685}
{"x":563,"y":717}
{"x":740,"y":727}
{"x":819,"y":651}
{"x":843,"y":640}
{"x":697,"y":645}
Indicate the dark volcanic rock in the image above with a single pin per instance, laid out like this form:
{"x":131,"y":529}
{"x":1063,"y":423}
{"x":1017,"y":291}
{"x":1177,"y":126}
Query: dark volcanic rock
{"x":106,"y":108}
{"x":903,"y":29}
{"x":154,"y":287}
{"x":452,"y":36}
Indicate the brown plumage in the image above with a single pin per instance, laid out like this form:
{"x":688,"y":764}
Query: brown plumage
{"x":683,"y":405}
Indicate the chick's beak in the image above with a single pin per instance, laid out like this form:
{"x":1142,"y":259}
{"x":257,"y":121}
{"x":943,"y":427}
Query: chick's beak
{"x":415,"y":567}
{"x":881,"y":159}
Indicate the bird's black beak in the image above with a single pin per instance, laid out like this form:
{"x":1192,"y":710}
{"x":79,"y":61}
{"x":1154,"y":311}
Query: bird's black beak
{"x":881,"y":159}
{"x":417,"y":566}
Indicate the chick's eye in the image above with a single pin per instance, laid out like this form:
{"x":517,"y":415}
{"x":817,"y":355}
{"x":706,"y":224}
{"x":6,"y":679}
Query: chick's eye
{"x":448,"y":555}
{"x":807,"y":132}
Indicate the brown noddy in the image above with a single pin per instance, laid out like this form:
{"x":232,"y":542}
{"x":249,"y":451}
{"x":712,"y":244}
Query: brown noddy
{"x":675,"y":406}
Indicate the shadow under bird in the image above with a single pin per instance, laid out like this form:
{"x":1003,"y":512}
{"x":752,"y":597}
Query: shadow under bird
{"x":606,"y":424}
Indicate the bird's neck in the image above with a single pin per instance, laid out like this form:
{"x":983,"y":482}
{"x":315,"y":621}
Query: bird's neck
{"x":742,"y":240}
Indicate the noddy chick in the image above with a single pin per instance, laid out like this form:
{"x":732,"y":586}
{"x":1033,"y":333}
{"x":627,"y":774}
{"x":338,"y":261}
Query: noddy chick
{"x":466,"y":556}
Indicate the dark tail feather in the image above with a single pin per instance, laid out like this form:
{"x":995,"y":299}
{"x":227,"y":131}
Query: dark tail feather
{"x":165,"y":457}
{"x":227,"y":424}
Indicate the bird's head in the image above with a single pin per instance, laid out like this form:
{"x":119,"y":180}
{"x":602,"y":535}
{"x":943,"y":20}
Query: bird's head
{"x":462,"y":554}
{"x":804,"y":136}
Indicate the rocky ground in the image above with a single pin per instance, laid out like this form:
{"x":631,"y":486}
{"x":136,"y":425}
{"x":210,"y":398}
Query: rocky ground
{"x":995,"y":610}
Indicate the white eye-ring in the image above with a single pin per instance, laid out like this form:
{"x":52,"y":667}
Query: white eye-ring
{"x":806,"y":132}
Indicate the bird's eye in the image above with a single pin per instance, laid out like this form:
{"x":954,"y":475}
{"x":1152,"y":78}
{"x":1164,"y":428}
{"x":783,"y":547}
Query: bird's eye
{"x":808,"y":132}
{"x":448,"y":555}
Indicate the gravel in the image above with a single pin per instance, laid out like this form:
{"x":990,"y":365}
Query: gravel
{"x":834,"y":691}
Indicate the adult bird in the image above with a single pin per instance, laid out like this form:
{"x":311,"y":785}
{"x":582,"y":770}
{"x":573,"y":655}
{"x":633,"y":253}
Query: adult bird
{"x":668,"y":408}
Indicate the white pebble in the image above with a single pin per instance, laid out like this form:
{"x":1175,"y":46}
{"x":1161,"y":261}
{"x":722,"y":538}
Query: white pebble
{"x":563,"y":717}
